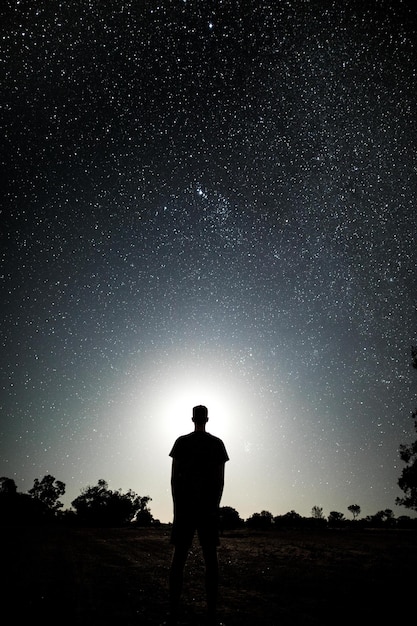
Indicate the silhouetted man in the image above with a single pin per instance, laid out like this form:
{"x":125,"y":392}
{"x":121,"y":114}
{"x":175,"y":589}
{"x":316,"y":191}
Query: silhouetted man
{"x":197,"y":481}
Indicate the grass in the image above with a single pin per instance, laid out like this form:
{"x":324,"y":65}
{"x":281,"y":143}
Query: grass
{"x":100,"y":577}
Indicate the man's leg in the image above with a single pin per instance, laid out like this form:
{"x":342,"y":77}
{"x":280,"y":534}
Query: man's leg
{"x":176,"y":576}
{"x":212,"y":578}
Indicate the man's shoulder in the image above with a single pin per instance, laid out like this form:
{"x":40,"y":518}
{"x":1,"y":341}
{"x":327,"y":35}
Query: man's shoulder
{"x":198,"y":441}
{"x":206,"y":438}
{"x":180,"y":443}
{"x":214,"y":445}
{"x":214,"y":438}
{"x":183,"y":439}
{"x":196,"y":435}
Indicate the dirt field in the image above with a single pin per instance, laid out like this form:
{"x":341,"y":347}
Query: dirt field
{"x":119,"y":576}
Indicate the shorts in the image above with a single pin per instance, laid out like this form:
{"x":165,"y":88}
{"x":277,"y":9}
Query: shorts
{"x":187,"y":522}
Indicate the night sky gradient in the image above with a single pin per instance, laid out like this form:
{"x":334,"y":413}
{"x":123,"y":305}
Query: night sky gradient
{"x":209,"y":203}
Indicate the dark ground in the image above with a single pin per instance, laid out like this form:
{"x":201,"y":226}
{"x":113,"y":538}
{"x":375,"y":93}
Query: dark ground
{"x":102,"y":577}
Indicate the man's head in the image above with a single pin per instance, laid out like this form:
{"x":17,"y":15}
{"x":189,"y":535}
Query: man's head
{"x":200,"y":415}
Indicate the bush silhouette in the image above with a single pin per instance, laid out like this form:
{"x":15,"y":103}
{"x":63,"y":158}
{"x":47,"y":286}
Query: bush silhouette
{"x":99,"y":506}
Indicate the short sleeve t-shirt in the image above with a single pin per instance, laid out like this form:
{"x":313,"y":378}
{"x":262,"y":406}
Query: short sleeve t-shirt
{"x":199,"y":455}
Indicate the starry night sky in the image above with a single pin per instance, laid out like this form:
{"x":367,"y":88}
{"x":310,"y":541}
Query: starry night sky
{"x":209,"y":202}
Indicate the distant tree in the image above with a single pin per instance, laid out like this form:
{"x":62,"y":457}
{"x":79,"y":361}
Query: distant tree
{"x":47,"y":492}
{"x":8,"y":502}
{"x":99,"y":506}
{"x":387,"y":516}
{"x":143,"y":517}
{"x":17,"y":509}
{"x":260,"y":521}
{"x":382,"y":518}
{"x":405,"y":521}
{"x":229,"y":518}
{"x":408,"y":454}
{"x":7,"y":486}
{"x":336,"y":518}
{"x":317,"y":512}
{"x":289,"y":520}
{"x":355,"y":509}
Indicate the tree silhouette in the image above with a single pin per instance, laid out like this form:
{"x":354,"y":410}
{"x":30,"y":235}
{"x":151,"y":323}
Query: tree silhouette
{"x":355,"y":509}
{"x":99,"y":506}
{"x":48,"y":491}
{"x":408,"y":453}
{"x":17,"y":509}
{"x":382,"y":518}
{"x":317,"y":512}
{"x":260,"y":521}
{"x":229,"y":518}
{"x":7,"y":486}
{"x":10,"y":503}
{"x":336,"y":518}
{"x":291,"y":519}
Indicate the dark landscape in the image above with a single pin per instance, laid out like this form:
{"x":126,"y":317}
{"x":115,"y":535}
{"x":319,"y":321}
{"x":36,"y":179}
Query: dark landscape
{"x":100,"y":577}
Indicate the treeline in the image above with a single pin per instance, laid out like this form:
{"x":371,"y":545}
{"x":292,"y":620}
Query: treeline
{"x":99,"y":506}
{"x":96,"y":505}
{"x":336,"y":519}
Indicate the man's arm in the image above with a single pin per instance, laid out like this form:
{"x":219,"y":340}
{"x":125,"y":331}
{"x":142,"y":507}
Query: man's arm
{"x":220,"y":482}
{"x":175,"y":478}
